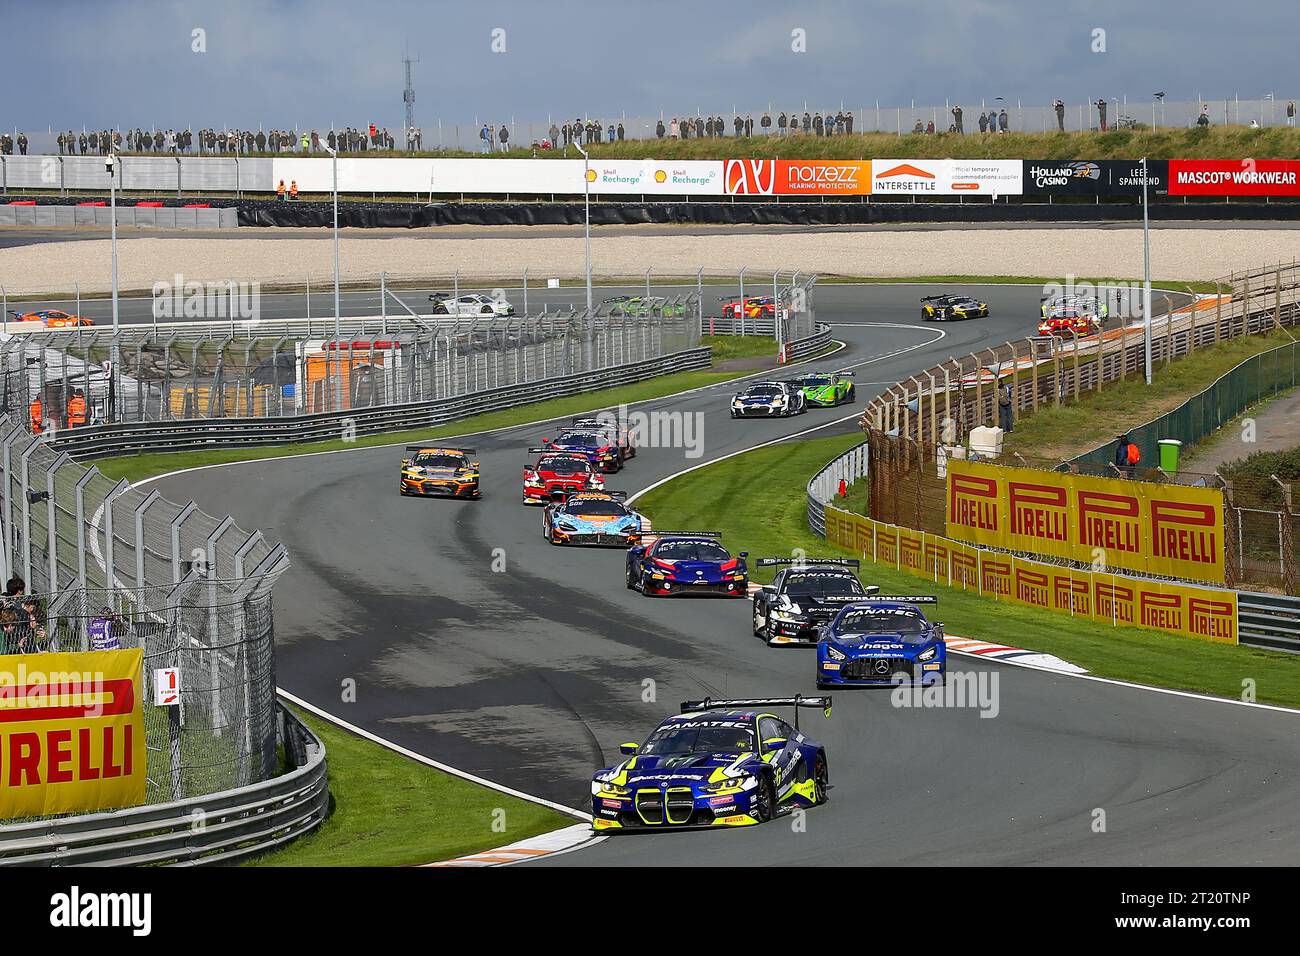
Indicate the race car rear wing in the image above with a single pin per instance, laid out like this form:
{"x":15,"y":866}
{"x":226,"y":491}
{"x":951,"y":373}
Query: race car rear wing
{"x":616,"y":495}
{"x":551,"y":450}
{"x":694,"y":534}
{"x":774,"y":562}
{"x":430,"y":446}
{"x":933,"y":298}
{"x":901,"y":599}
{"x":797,"y":701}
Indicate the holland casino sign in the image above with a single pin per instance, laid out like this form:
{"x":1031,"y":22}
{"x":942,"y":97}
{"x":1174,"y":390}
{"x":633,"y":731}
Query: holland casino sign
{"x":1095,"y":178}
{"x":783,"y":177}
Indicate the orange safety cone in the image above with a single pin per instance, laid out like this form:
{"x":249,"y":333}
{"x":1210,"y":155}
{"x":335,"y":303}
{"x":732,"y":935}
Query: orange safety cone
{"x":844,"y":488}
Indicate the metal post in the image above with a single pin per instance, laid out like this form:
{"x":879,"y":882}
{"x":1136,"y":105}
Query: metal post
{"x":176,"y":523}
{"x":140,"y":509}
{"x":110,"y":568}
{"x":1146,"y":277}
{"x":51,"y":517}
{"x":525,"y":290}
{"x":80,"y":500}
{"x":586,"y":217}
{"x":741,"y":309}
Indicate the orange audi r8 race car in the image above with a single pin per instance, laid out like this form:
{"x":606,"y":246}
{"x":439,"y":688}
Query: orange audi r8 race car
{"x":51,"y":318}
{"x":439,"y":472}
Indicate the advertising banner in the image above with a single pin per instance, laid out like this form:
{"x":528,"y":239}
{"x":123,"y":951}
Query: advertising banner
{"x":1234,"y":177}
{"x":1108,"y":177}
{"x":947,"y":177}
{"x":783,"y":177}
{"x":1167,"y":530}
{"x":502,"y":176}
{"x":71,"y":732}
{"x":1187,"y":610}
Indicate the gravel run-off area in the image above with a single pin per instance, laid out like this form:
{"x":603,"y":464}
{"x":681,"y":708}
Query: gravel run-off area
{"x":1056,"y":252}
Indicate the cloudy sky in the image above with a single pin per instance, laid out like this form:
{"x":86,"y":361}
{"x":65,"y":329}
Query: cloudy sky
{"x":310,"y":63}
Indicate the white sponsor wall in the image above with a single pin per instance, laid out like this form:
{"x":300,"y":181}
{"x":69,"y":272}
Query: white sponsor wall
{"x":947,"y":177}
{"x":501,"y":176}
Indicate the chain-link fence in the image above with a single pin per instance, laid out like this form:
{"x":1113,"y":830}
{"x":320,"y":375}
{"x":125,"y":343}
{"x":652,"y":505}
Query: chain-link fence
{"x":109,"y":566}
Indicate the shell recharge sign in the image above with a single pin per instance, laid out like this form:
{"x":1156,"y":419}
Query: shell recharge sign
{"x":785,"y":177}
{"x":1167,"y":530}
{"x":71,"y":732}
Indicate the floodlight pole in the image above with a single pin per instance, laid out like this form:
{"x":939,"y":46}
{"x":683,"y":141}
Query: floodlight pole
{"x":1146,"y":277}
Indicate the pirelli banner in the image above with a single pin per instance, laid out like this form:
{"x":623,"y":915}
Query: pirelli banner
{"x":1166,"y":530}
{"x":71,"y":732}
{"x":1187,"y":610}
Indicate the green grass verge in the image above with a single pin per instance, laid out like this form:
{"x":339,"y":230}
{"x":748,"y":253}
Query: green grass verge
{"x":739,"y":346}
{"x":136,"y":467}
{"x":770,"y":483}
{"x":1071,"y":428}
{"x":389,"y":810}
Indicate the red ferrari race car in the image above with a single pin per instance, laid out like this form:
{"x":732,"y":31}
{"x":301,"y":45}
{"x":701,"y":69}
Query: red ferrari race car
{"x":556,"y":474}
{"x":1079,"y":315}
{"x":51,"y":318}
{"x":750,"y":307}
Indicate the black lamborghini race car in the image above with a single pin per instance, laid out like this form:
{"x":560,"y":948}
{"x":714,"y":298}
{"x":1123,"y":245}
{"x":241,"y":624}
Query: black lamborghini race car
{"x":946,"y":308}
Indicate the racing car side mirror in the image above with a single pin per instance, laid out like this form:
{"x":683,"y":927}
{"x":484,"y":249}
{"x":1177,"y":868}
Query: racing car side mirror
{"x":474,"y":465}
{"x":744,"y":554}
{"x":628,"y":749}
{"x":406,"y":463}
{"x":775,"y":743}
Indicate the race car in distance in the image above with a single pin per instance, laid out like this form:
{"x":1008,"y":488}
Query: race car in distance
{"x":718,"y":763}
{"x":556,"y":474}
{"x":616,"y":433}
{"x":593,"y":517}
{"x":750,"y":307}
{"x":598,"y":445}
{"x":882,"y":640}
{"x":641,"y":306}
{"x":1077,"y":314}
{"x":825,"y":389}
{"x":52,"y":318}
{"x":805,"y":594}
{"x":769,"y":399}
{"x":686,"y":562}
{"x":945,"y":308}
{"x":471,"y":303}
{"x":433,"y":471}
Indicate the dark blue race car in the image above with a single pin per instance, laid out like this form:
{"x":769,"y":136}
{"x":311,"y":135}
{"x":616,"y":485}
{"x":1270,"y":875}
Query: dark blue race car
{"x":882,"y":640}
{"x":717,"y":763}
{"x":686,"y":563}
{"x":598,"y":446}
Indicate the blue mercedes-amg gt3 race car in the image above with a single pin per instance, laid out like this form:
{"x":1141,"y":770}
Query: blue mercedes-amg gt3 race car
{"x":685,"y":563}
{"x":719,"y":763}
{"x":882,"y":640}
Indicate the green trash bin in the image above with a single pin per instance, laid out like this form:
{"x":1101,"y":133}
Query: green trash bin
{"x":1169,"y":448}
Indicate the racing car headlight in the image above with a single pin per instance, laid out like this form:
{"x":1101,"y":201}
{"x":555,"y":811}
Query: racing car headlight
{"x":928,"y":655}
{"x":834,"y":654}
{"x":564,"y":525}
{"x":791,"y":613}
{"x":779,"y":400}
{"x":731,"y":783}
{"x":604,"y":786}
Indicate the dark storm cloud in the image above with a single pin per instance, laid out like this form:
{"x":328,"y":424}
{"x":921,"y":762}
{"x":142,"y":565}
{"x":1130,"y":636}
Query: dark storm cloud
{"x":128,"y":62}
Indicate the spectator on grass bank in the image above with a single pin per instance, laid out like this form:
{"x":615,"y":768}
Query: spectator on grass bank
{"x":781,"y":123}
{"x":1290,"y":113}
{"x":1006,"y":415}
{"x":699,"y":126}
{"x":1101,"y":114}
{"x":1204,"y":119}
{"x":1059,"y":107}
{"x":848,"y":123}
{"x":504,"y":137}
{"x":807,"y":123}
{"x":621,"y":132}
{"x":554,"y":133}
{"x":1002,"y":121}
{"x":956,"y":119}
{"x":22,"y":144}
{"x":984,"y":122}
{"x":765,"y":124}
{"x":659,"y":128}
{"x":749,"y":126}
{"x":611,"y":132}
{"x":929,"y":128}
{"x":1127,"y":455}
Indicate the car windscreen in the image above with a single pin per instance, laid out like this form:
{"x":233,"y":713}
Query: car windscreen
{"x":764,"y":391}
{"x":565,"y":466}
{"x":815,"y":380}
{"x":594,"y":506}
{"x":437,"y":460}
{"x":691,"y":551}
{"x":879,"y":621}
{"x":700,"y":739}
{"x":578,"y":438}
{"x":821,"y":584}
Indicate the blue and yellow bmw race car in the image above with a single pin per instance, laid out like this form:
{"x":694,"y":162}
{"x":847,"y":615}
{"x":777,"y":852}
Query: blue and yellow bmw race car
{"x":882,"y":640}
{"x":593,"y":517}
{"x":686,"y":563}
{"x":717,"y":763}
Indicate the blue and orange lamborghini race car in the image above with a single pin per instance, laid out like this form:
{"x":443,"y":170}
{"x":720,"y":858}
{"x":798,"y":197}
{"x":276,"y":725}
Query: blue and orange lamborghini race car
{"x":686,"y":563}
{"x":718,"y":763}
{"x":882,"y":640}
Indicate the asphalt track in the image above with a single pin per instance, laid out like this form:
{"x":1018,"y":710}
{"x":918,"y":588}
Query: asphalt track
{"x":531,"y":677}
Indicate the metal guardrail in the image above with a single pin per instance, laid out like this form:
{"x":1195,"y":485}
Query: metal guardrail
{"x":1268,"y":620}
{"x":101,"y":440}
{"x":809,"y":345}
{"x":215,"y":828}
{"x":824,"y":485}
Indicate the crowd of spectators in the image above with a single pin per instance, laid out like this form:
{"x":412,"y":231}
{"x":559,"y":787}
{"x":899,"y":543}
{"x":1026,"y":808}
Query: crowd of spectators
{"x":219,"y":142}
{"x":24,"y":628}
